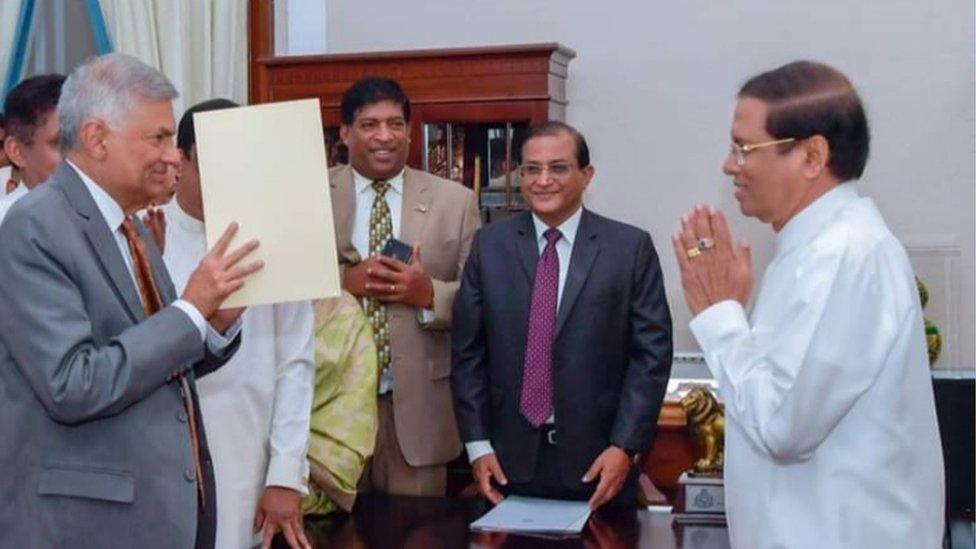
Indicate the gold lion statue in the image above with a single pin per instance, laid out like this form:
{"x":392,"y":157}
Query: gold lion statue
{"x":706,"y":422}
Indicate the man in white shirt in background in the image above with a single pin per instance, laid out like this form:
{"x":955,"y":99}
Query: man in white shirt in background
{"x":832,"y":438}
{"x":30,"y":136}
{"x":256,"y":408}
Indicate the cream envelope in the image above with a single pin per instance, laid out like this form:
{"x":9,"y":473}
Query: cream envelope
{"x":264,"y":167}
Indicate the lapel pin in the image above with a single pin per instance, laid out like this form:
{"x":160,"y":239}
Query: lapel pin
{"x":422,"y":208}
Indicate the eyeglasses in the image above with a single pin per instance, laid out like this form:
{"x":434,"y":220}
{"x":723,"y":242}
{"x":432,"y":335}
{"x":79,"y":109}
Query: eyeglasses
{"x":740,"y":151}
{"x":559,"y":170}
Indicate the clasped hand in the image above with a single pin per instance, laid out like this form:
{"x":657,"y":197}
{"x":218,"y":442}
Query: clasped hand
{"x":392,"y":281}
{"x":711,"y":269}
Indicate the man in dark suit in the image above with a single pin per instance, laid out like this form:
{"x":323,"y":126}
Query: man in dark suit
{"x":101,"y":444}
{"x":562,"y":339}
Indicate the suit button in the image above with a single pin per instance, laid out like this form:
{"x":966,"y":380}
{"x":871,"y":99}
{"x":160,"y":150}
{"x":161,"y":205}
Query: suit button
{"x":181,"y":416}
{"x":190,"y":475}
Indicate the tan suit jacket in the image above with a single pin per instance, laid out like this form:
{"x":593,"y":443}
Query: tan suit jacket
{"x":442,"y":216}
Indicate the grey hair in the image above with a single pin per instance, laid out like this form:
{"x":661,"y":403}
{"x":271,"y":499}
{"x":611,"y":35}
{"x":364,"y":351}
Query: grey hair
{"x":105,"y":88}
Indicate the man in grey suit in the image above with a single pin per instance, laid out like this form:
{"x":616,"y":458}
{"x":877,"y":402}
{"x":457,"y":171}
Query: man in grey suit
{"x":562,"y":339}
{"x":101,"y":442}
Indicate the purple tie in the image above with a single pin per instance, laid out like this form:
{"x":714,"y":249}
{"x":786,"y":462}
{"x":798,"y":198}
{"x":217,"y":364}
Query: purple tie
{"x":536,"y":402}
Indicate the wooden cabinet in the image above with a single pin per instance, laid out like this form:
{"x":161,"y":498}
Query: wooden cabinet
{"x":674,"y":450}
{"x":469,"y":105}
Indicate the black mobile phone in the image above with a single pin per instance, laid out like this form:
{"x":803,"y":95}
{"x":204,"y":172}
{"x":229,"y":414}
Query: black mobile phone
{"x":397,"y":249}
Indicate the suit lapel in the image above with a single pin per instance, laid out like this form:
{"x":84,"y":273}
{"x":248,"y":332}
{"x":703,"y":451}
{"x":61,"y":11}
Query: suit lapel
{"x":415,"y":207}
{"x":528,"y":248}
{"x":585,"y":250}
{"x":101,"y":239}
{"x":343,"y":212}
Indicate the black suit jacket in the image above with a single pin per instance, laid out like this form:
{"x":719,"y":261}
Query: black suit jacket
{"x":611,"y":355}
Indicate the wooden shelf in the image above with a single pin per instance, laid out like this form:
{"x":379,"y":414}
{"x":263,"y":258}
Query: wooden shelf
{"x":524,"y":83}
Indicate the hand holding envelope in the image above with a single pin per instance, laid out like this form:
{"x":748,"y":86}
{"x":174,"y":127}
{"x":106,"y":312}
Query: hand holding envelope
{"x":219,"y":275}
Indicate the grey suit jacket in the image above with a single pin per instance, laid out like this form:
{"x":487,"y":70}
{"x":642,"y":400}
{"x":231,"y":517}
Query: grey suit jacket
{"x":94,"y":444}
{"x":611,"y":351}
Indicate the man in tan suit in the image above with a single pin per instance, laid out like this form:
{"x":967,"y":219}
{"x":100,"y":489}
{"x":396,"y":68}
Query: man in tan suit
{"x":374,"y":198}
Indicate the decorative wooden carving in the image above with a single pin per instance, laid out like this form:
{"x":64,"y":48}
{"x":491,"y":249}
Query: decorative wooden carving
{"x":535,"y":72}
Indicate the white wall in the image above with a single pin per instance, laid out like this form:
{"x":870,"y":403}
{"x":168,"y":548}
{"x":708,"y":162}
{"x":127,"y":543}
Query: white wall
{"x":653,"y":89}
{"x":300,"y":27}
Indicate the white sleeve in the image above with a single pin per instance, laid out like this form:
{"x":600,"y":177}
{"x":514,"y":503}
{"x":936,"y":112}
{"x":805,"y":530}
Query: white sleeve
{"x":478,"y":448}
{"x":294,"y":385}
{"x":195,"y":316}
{"x":426,"y":316}
{"x":216,"y":342}
{"x":788,"y":386}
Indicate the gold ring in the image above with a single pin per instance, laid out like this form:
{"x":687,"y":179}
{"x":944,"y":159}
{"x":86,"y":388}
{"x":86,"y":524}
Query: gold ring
{"x":705,"y":243}
{"x":692,"y":253}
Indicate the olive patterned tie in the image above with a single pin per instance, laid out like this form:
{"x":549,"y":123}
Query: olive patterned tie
{"x":380,"y":230}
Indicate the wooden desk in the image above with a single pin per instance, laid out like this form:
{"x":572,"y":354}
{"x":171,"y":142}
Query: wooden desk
{"x":384,"y":521}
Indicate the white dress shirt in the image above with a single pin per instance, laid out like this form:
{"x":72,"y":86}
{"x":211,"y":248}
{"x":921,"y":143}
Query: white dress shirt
{"x":564,"y":251}
{"x":831,"y":433}
{"x":114,"y":216}
{"x":7,"y":200}
{"x":256,"y":407}
{"x":365,"y":196}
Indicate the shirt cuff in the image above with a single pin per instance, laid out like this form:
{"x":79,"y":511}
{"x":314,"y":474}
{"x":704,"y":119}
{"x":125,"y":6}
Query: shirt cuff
{"x":718,"y":324}
{"x":289,"y":472}
{"x":195,"y":316}
{"x":217,"y":342}
{"x":478,"y":448}
{"x":426,"y":316}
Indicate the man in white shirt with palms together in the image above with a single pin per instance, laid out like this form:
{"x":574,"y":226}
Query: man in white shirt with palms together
{"x":831,"y":436}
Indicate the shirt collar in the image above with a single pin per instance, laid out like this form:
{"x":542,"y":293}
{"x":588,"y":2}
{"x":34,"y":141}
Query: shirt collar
{"x":109,"y":208}
{"x":568,"y":227}
{"x":810,"y":221}
{"x":364,"y":183}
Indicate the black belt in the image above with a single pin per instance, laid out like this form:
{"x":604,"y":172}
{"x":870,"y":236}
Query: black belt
{"x":549,"y":434}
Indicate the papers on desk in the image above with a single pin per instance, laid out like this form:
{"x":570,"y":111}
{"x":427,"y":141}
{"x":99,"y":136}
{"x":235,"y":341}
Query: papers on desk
{"x":535,"y":516}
